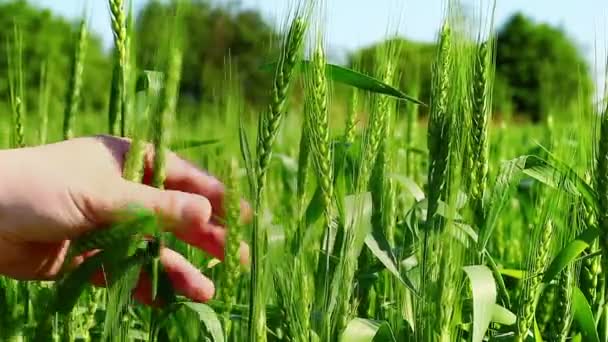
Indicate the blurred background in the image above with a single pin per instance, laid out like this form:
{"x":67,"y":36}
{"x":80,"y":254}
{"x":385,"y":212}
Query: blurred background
{"x":548,"y":51}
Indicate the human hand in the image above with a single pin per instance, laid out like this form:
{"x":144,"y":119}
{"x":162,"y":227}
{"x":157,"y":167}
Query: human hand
{"x":54,"y":193}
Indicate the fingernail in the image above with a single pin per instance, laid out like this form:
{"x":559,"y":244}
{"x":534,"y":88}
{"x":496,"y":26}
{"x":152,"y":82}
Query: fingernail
{"x":216,"y":184}
{"x":193,"y":209}
{"x":205,"y":290}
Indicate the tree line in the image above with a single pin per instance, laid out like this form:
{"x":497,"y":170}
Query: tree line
{"x":538,"y":67}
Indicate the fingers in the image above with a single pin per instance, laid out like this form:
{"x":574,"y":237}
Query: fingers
{"x":181,"y":175}
{"x":187,"y":215}
{"x":178,"y":209}
{"x":186,"y":279}
{"x":210,"y":238}
{"x":189,"y":205}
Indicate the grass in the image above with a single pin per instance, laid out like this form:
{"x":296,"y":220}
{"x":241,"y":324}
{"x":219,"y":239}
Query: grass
{"x":364,"y":219}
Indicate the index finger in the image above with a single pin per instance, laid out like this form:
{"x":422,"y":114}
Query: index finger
{"x":184,"y":176}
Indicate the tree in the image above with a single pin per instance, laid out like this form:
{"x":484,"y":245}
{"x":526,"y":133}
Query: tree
{"x":214,"y":39}
{"x":540,"y":66}
{"x":49,"y":39}
{"x":414,"y":68}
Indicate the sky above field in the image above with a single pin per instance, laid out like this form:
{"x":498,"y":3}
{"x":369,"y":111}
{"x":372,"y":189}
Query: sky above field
{"x":355,"y":23}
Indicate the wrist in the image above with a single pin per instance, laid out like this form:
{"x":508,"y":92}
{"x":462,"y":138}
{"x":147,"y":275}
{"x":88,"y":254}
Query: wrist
{"x":11,"y":165}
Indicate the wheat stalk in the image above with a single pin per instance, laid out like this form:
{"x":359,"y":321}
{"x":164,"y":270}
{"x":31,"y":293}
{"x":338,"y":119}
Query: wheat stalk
{"x":590,"y":267}
{"x":377,"y":151}
{"x":75,"y":82}
{"x":162,"y":122}
{"x":439,"y":141}
{"x":268,"y":126}
{"x":481,"y":107}
{"x":438,"y":136}
{"x":528,"y":299}
{"x":412,"y":127}
{"x":43,"y":104}
{"x":350,"y":129}
{"x":118,"y":91}
{"x":16,"y":90}
{"x":563,"y":306}
{"x":231,"y":272}
{"x":318,"y":125}
{"x":271,"y":119}
{"x":601,"y":182}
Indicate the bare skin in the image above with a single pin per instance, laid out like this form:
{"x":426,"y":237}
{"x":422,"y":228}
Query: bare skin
{"x":54,"y":193}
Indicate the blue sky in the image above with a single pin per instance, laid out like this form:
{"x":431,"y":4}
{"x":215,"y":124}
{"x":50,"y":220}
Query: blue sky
{"x":355,"y":23}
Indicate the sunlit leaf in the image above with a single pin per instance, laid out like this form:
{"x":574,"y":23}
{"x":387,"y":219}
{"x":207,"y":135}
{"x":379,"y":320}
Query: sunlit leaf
{"x":410,"y":186}
{"x":483,"y":289}
{"x":513,"y":273}
{"x":367,"y":330}
{"x":503,"y":315}
{"x":247,"y":157}
{"x":209,"y":318}
{"x":355,"y":79}
{"x":584,"y":316}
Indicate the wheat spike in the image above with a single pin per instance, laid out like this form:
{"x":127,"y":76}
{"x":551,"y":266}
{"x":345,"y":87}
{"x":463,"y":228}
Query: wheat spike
{"x":118,"y":91}
{"x":75,"y":82}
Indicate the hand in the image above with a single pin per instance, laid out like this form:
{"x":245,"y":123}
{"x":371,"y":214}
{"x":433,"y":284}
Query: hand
{"x":54,"y":193}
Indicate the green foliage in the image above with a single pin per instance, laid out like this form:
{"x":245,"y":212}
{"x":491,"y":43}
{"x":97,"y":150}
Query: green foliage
{"x":538,"y":68}
{"x":211,"y":33}
{"x":541,"y":66}
{"x":50,"y":40}
{"x":413,"y":64}
{"x":365,"y":247}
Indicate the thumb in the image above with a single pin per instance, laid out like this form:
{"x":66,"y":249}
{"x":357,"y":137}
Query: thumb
{"x":178,"y":209}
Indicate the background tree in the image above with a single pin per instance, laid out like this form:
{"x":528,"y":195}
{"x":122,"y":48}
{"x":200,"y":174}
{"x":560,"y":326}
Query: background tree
{"x":536,"y":62}
{"x":50,"y":39}
{"x":211,"y":34}
{"x":538,"y":67}
{"x":414,"y":67}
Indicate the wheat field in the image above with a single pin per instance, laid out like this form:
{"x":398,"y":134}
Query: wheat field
{"x":370,"y":222}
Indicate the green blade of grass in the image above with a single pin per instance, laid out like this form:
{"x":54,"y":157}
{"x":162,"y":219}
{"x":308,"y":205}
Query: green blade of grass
{"x":503,"y":315}
{"x":500,"y":282}
{"x":513,"y":273}
{"x":209,"y":318}
{"x":353,"y":78}
{"x":69,"y":289}
{"x":559,"y":176}
{"x":506,"y":180}
{"x":538,"y":337}
{"x":570,"y":253}
{"x":381,"y":249}
{"x":192,"y":143}
{"x":584,"y":316}
{"x":246,"y":155}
